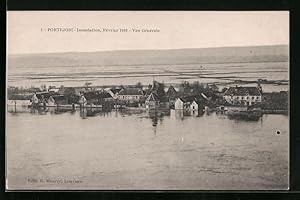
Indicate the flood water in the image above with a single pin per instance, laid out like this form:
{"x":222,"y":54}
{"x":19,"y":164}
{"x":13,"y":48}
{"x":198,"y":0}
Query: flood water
{"x":223,"y":73}
{"x":63,"y":149}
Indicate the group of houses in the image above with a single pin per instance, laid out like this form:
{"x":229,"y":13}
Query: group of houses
{"x":153,"y":97}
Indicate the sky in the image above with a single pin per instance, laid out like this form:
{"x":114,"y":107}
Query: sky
{"x":30,"y":31}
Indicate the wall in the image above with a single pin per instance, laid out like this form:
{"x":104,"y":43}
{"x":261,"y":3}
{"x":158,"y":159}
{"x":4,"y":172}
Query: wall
{"x":194,"y":106}
{"x":245,"y":99}
{"x":178,"y":105}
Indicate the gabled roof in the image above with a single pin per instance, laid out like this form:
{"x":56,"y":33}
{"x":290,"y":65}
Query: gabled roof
{"x":189,"y":98}
{"x":199,"y":102}
{"x":153,"y":97}
{"x":131,"y":91}
{"x":197,"y":98}
{"x":242,"y":91}
{"x":115,"y":90}
{"x":171,"y":90}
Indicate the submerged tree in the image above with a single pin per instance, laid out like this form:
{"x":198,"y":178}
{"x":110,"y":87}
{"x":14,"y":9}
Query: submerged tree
{"x":70,"y":95}
{"x":197,"y":87}
{"x":43,"y":87}
{"x":139,"y":85}
{"x":185,"y":87}
{"x":161,"y":89}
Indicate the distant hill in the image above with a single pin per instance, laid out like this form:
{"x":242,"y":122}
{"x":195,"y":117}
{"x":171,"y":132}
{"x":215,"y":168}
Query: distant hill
{"x":276,"y":53}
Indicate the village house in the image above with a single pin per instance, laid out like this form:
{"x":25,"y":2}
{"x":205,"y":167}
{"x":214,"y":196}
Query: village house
{"x":114,"y":92}
{"x":45,"y":98}
{"x":244,"y":96}
{"x":184,"y":103}
{"x":154,"y":101}
{"x":97,"y":97}
{"x":196,"y":105}
{"x":156,"y":97}
{"x":193,"y":103}
{"x":130,"y":94}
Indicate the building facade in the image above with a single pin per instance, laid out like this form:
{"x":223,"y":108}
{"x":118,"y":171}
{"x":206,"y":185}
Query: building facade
{"x":152,"y":101}
{"x":194,"y":102}
{"x":245,"y":96}
{"x":130,"y":94}
{"x":194,"y":106}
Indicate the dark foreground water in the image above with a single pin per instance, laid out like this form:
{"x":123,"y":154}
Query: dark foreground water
{"x":61,"y":149}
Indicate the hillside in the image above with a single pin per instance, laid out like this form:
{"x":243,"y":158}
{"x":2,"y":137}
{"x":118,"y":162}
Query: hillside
{"x":277,"y":53}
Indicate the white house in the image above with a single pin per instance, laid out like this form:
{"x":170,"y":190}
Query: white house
{"x":180,"y":104}
{"x":194,"y":106}
{"x":184,"y":103}
{"x":192,"y":103}
{"x":246,"y":96}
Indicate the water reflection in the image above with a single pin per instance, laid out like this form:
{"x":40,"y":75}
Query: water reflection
{"x":181,"y":114}
{"x":39,"y":111}
{"x":155,"y":116}
{"x":83,"y":113}
{"x":92,"y":112}
{"x":249,"y":118}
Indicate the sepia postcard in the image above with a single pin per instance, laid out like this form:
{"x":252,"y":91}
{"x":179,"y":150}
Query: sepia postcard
{"x":147,"y":100}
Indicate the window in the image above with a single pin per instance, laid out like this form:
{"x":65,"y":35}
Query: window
{"x":252,"y":97}
{"x":247,"y":97}
{"x":238,"y":98}
{"x":257,"y":97}
{"x":242,"y":98}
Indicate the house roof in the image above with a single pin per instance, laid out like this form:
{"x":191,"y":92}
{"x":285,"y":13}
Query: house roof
{"x":242,"y":91}
{"x":196,"y":98}
{"x":199,"y":102}
{"x":189,"y":98}
{"x":58,"y":97}
{"x":45,"y":94}
{"x":96,"y":95}
{"x":115,"y":90}
{"x":171,"y":90}
{"x":153,"y":97}
{"x":131,"y":91}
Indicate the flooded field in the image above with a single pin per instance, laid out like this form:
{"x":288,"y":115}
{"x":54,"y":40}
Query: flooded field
{"x":221,"y":74}
{"x":55,"y":149}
